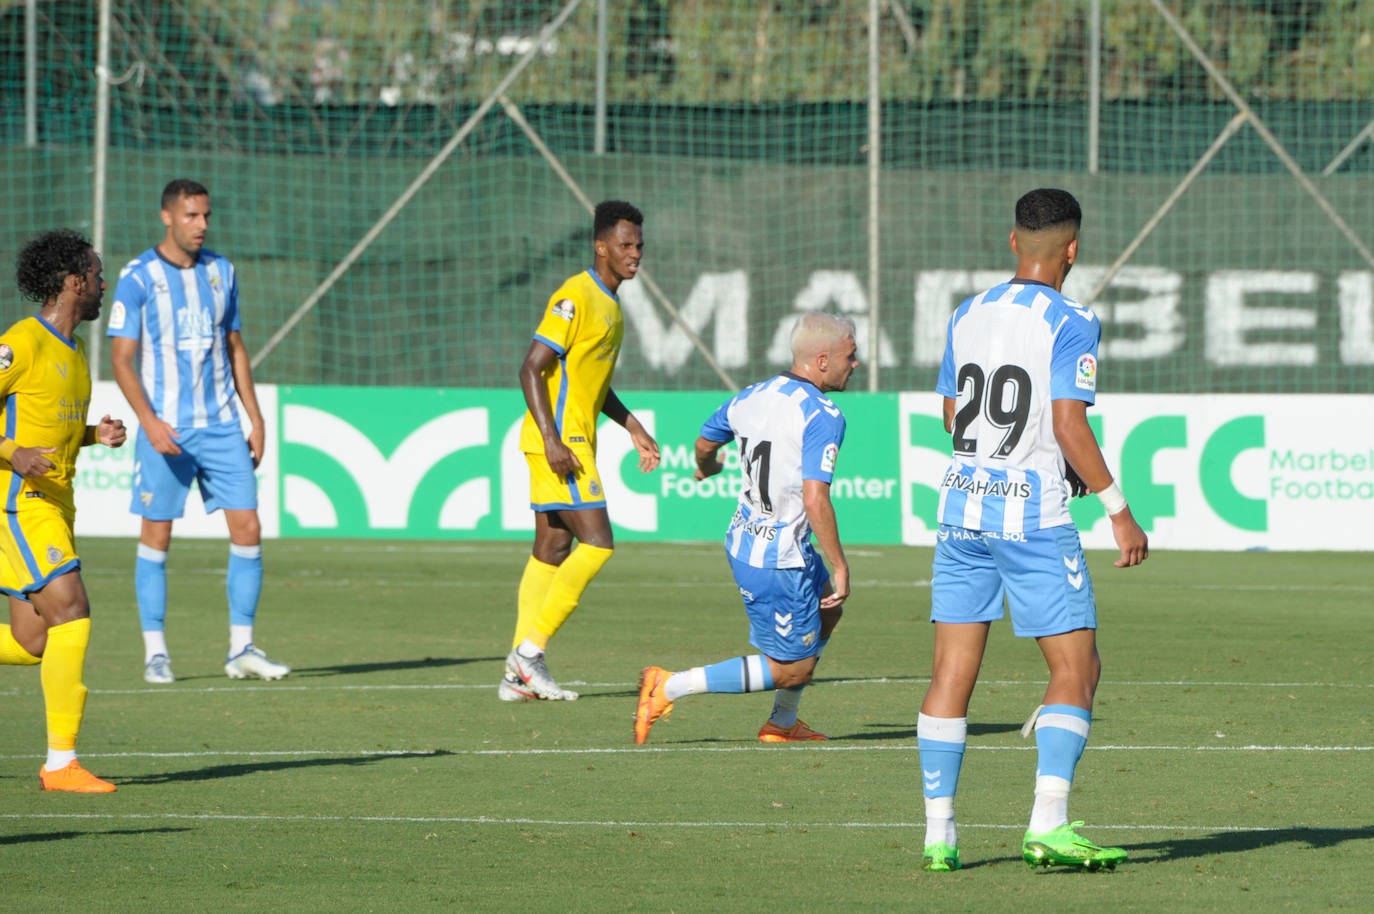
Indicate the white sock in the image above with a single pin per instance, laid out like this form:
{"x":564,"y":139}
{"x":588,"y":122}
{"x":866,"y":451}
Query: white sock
{"x":240,"y":636}
{"x":688,"y":682}
{"x":785,"y":704}
{"x":1051,"y":808}
{"x":59,"y":758}
{"x":940,"y":821}
{"x":529,"y":650}
{"x":154,"y":643}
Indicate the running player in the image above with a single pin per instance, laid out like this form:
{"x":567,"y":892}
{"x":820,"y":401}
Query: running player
{"x":45,"y":391}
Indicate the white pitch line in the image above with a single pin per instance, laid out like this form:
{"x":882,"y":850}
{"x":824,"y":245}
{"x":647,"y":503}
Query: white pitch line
{"x":606,"y":823}
{"x":906,"y":746}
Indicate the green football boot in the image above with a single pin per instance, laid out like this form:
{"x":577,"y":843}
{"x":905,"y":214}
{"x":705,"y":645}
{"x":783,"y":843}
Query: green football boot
{"x":940,"y":858}
{"x":1065,"y":847}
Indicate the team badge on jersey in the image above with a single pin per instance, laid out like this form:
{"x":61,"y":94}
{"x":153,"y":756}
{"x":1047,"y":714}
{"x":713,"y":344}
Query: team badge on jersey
{"x":828,"y":456}
{"x":116,"y":321}
{"x":1086,"y":378}
{"x":6,"y":356}
{"x":564,"y":308}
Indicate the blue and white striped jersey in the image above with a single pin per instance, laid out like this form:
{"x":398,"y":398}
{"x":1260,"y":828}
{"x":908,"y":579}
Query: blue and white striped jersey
{"x":1010,"y":352}
{"x":182,"y":318}
{"x":788,"y":432}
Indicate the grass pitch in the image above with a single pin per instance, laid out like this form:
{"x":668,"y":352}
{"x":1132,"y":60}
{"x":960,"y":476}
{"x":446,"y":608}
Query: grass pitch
{"x":1230,"y":751}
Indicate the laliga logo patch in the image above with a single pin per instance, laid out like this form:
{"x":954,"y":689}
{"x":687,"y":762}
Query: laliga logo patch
{"x":116,"y":321}
{"x":564,"y":308}
{"x":828,"y":456}
{"x":1087,"y":373}
{"x":6,"y":357}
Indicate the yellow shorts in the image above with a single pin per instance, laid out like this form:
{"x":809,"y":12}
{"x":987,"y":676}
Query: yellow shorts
{"x":575,"y":492}
{"x":36,"y":546}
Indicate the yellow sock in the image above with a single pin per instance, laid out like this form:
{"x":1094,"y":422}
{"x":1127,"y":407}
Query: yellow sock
{"x":64,"y":694}
{"x":565,"y":590}
{"x":534,"y":588}
{"x":12,"y":653}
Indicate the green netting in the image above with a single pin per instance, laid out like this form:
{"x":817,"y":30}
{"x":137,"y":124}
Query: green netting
{"x":742,"y":130}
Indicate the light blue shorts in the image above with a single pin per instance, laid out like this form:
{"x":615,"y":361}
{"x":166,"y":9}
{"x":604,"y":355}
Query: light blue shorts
{"x":217,"y":458}
{"x":784,"y":606}
{"x":1042,"y":576}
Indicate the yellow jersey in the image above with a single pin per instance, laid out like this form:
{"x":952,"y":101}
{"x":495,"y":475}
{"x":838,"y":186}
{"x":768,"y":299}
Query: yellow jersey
{"x":583,"y":324}
{"x":45,"y":393}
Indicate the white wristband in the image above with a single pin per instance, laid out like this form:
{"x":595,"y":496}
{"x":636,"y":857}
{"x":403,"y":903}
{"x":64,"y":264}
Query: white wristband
{"x":1112,"y":499}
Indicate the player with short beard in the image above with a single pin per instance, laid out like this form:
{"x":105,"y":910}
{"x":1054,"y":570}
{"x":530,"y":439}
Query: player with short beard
{"x":178,"y":355}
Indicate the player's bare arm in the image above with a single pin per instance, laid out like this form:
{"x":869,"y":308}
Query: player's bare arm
{"x":708,"y":458}
{"x":109,"y":432}
{"x":242,"y":367}
{"x":1080,"y":449}
{"x":29,"y":462}
{"x":538,"y":360}
{"x":820,"y":513}
{"x":644,"y":443}
{"x":124,"y":362}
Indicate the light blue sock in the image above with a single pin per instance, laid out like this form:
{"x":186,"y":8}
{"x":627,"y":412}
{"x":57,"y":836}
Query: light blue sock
{"x":150,"y":588}
{"x":941,"y":742}
{"x":244,"y":583}
{"x":1061,"y":733}
{"x":740,"y":674}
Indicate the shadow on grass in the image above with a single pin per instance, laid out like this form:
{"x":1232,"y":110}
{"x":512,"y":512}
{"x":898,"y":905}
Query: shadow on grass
{"x":353,"y":669}
{"x":1239,"y":842}
{"x":891,"y":731}
{"x":1228,"y":842}
{"x":219,"y":772}
{"x":68,"y":835}
{"x":381,"y":666}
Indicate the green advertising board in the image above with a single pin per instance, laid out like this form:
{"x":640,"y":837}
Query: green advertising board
{"x":422,"y":463}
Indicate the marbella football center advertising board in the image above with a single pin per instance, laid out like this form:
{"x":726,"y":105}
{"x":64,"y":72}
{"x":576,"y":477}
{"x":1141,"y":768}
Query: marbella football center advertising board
{"x":1221,"y":472}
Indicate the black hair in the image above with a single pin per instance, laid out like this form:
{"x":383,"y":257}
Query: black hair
{"x":610,"y":212}
{"x":45,"y":263}
{"x":1047,"y":207}
{"x":181,"y":187}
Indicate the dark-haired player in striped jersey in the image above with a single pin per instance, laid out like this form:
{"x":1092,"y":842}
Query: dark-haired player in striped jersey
{"x":1018,"y":375}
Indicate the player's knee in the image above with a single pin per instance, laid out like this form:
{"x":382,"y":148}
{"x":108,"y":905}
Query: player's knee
{"x":245,"y":528}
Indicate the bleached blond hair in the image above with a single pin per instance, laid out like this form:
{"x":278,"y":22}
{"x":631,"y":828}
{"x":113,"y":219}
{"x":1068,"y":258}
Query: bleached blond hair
{"x":816,"y":332}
